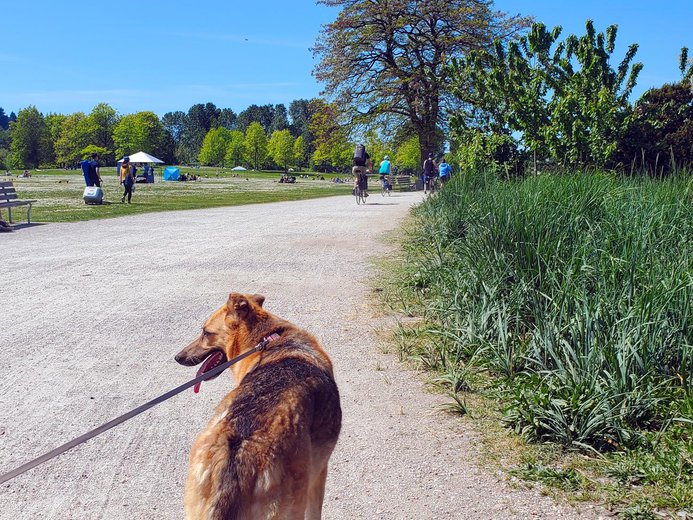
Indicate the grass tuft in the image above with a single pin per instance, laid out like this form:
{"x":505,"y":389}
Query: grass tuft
{"x":569,"y":299}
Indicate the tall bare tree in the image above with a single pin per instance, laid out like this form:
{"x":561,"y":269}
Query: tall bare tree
{"x":384,"y":58}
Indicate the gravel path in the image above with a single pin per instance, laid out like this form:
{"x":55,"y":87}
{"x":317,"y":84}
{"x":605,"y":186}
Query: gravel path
{"x":93,"y":312}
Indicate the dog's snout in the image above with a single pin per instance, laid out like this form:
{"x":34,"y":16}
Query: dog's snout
{"x":184,"y":359}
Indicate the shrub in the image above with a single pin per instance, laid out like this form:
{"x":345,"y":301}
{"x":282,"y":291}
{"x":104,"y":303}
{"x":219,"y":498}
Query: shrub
{"x":574,"y":291}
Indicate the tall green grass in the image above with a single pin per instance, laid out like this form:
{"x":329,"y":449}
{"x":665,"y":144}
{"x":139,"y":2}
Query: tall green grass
{"x":575,"y":292}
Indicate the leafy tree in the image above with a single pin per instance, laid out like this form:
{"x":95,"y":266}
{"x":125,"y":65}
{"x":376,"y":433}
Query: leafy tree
{"x":54,"y":122}
{"x":141,"y":131}
{"x":31,"y":144}
{"x":77,"y":132}
{"x":4,"y":120}
{"x":227,"y":118}
{"x":375,"y":146}
{"x":174,"y":125}
{"x":254,"y":113}
{"x":4,"y":152}
{"x":235,"y":148}
{"x":256,"y":144}
{"x":562,"y":98}
{"x":660,"y":135}
{"x":200,"y":119}
{"x":386,"y":58}
{"x":281,"y":148}
{"x":300,"y":152}
{"x":214,"y":146}
{"x":87,"y":151}
{"x":408,"y":156}
{"x":104,"y":119}
{"x":280,"y":119}
{"x":300,"y":114}
{"x":5,"y":139}
{"x":332,"y":146}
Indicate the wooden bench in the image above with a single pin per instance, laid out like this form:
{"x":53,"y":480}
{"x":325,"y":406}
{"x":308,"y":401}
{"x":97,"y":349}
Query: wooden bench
{"x":9,"y":200}
{"x":400,"y":182}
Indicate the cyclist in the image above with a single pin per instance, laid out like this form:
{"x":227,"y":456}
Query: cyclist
{"x":429,"y":167}
{"x":360,"y":169}
{"x":384,"y":170}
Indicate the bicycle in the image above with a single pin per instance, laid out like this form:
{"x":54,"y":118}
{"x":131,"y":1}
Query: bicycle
{"x":360,"y":195}
{"x":385,"y":188}
{"x":432,"y":184}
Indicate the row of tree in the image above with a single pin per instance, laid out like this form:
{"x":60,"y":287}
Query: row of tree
{"x":30,"y":139}
{"x":309,"y":134}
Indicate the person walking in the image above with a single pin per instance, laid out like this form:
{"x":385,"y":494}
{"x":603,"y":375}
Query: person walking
{"x":91,"y":171}
{"x":429,"y":166}
{"x":127,"y":179}
{"x":95,"y":170}
{"x":445,"y":171}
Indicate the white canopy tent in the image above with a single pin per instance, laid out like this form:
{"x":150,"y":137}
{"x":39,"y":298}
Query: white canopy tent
{"x":142,"y":157}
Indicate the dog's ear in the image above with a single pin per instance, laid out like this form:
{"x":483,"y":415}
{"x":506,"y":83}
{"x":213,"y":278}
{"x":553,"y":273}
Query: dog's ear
{"x":259,"y":299}
{"x":238,"y":305}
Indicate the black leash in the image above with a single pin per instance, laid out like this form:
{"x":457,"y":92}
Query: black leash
{"x":132,"y":413}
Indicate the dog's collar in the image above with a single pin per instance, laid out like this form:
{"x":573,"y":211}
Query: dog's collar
{"x":266,"y":341}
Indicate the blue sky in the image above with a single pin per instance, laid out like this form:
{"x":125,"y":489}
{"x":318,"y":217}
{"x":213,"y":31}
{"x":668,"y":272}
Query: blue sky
{"x":164,"y":56}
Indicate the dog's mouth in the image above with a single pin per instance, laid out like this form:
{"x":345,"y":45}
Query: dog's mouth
{"x":212,"y":361}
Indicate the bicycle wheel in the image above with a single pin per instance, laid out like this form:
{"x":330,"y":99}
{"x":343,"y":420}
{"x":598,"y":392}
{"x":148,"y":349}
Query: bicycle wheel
{"x":357,"y":192}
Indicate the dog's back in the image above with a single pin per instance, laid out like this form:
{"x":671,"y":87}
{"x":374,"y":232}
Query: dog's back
{"x":265,"y":453}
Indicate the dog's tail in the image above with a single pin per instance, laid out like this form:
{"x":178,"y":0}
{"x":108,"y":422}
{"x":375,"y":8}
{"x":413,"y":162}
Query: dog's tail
{"x":230,"y":500}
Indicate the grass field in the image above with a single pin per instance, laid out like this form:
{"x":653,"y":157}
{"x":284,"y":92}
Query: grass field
{"x":568,"y":302}
{"x":59,"y":193}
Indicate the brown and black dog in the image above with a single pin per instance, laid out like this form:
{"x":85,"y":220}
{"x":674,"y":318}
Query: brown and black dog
{"x":264,"y":454}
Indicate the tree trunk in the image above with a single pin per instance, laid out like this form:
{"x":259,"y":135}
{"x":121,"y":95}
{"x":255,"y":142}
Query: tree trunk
{"x":427,"y":141}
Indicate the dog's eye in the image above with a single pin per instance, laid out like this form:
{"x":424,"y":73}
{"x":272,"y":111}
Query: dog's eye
{"x":206,"y":334}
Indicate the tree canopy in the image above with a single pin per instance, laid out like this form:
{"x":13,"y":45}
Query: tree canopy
{"x":562,"y":99}
{"x":31,"y":143}
{"x":139,"y":131}
{"x":256,"y":144}
{"x":384,"y":58}
{"x":281,"y":148}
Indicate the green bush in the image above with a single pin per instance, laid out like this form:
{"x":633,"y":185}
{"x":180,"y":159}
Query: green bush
{"x":574,"y":291}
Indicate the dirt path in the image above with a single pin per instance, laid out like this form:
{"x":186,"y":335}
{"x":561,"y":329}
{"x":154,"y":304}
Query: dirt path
{"x":93,"y":312}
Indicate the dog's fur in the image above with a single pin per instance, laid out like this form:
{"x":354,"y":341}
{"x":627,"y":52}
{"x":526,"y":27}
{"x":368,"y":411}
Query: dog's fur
{"x":264,"y":454}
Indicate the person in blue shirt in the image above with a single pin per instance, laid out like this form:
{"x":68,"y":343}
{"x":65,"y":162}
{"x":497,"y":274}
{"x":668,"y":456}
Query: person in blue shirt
{"x":91,"y":170}
{"x":445,"y":171}
{"x":384,"y":170}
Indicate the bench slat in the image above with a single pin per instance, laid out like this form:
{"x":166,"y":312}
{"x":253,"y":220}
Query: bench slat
{"x":14,"y":203}
{"x":401,"y":182}
{"x":9,"y":199}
